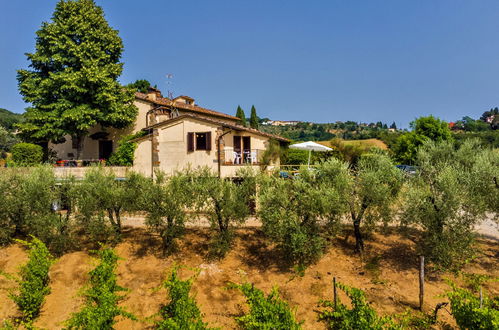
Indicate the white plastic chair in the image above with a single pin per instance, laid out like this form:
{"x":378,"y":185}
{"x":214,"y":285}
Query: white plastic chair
{"x":237,"y":158}
{"x":253,"y":157}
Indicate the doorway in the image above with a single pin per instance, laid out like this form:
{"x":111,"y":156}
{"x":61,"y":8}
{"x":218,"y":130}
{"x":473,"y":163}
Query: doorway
{"x":105,"y":149}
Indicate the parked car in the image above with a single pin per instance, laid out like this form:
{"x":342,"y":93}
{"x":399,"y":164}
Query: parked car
{"x":409,"y":169}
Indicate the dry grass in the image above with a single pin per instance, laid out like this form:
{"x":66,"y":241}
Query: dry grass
{"x":365,"y":144}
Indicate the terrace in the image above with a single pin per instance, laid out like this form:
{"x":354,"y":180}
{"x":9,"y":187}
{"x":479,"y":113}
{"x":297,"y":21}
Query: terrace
{"x":242,"y":157}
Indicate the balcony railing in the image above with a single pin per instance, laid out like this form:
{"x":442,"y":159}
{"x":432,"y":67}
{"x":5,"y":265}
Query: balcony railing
{"x":244,"y":157}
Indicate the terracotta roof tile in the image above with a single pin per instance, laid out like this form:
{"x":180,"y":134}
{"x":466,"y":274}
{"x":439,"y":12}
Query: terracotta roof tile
{"x":193,"y":108}
{"x":221,"y":123}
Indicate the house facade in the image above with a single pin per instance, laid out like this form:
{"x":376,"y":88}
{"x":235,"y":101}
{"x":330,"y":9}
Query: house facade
{"x":178,"y":134}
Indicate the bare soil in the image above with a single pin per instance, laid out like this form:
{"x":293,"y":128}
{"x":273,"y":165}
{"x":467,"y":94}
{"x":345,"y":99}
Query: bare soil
{"x":387,"y":273}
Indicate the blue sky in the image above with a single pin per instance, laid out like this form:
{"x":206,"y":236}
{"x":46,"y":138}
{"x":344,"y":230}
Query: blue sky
{"x":319,"y":61}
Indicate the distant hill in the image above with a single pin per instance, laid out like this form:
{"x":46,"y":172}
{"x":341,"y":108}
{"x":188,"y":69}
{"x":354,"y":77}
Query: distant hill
{"x":9,"y":118}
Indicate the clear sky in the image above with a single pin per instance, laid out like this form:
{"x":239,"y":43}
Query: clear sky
{"x":319,"y":61}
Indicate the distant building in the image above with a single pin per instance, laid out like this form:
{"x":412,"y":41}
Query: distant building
{"x":281,"y":122}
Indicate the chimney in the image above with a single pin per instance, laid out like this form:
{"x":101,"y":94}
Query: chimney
{"x":153,"y":93}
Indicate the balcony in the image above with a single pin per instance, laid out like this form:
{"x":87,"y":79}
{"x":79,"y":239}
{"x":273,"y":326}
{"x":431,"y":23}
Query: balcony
{"x":245,"y":157}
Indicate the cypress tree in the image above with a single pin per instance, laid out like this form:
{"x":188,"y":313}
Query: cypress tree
{"x":240,"y":114}
{"x":393,"y":125}
{"x":253,"y":118}
{"x":72,"y":81}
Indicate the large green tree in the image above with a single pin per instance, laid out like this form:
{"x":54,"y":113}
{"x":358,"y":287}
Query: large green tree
{"x":72,"y":80}
{"x":253,"y":118}
{"x":453,"y":192}
{"x":240,"y":114}
{"x":140,"y":85}
{"x":423,"y":129}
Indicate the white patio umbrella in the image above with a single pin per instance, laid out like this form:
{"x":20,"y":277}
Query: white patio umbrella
{"x":310,"y":146}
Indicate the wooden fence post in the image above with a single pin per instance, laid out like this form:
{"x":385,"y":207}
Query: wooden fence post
{"x":421,"y":282}
{"x":334,"y":292}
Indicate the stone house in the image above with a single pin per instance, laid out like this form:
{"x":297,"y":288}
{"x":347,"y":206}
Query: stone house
{"x":178,"y":134}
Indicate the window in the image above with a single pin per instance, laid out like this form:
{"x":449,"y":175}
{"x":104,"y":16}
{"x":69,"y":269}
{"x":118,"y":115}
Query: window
{"x":198,"y":141}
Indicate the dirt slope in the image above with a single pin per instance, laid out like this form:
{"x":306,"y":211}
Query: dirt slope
{"x":390,"y":279}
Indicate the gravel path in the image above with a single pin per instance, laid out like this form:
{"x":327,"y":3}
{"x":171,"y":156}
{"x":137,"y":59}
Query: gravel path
{"x":488,"y":228}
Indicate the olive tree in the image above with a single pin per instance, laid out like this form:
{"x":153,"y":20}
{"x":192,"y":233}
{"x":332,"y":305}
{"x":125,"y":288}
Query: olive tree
{"x":225,"y":203}
{"x":450,"y":195}
{"x":165,"y":200}
{"x":295,"y":211}
{"x":102,"y":198}
{"x":376,"y":184}
{"x":28,"y":206}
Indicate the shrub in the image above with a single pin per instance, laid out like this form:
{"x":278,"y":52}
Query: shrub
{"x":225,"y":202}
{"x":296,"y":213}
{"x":165,"y":201}
{"x":375,"y":189}
{"x":33,"y":281}
{"x":359,"y":316}
{"x":181,"y":312}
{"x":7,"y":140}
{"x":295,"y":157}
{"x":349,"y":153}
{"x":101,"y":305}
{"x":469,"y":313}
{"x":124,"y":154}
{"x":448,"y":197}
{"x":27,"y":154}
{"x":266,"y":312}
{"x":101,"y":199}
{"x":290,"y":211}
{"x":27,"y":208}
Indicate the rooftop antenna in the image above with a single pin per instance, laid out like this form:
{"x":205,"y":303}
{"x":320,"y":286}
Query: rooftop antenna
{"x":169,"y":78}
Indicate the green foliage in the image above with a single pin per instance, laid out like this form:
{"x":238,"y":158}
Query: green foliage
{"x":165,"y":201}
{"x":359,"y":316}
{"x":295,"y":157}
{"x":240,"y":114}
{"x":7,"y":140}
{"x":253,"y":118}
{"x":225,"y":203}
{"x":347,"y":152}
{"x":469,"y":313}
{"x":72,"y":81}
{"x":471,"y":125}
{"x":433,"y":128}
{"x":273,"y":152}
{"x":102,"y":197}
{"x":140,"y":85}
{"x":375,"y":189}
{"x":266,"y":312}
{"x":26,"y":154}
{"x":448,"y":197}
{"x":101,"y":305}
{"x":181,"y":312}
{"x":424,"y":129}
{"x":292,"y":211}
{"x":124,"y":154}
{"x":406,"y":147}
{"x":9,"y":119}
{"x":26,"y":207}
{"x":34,"y":280}
{"x":488,"y":139}
{"x":491,"y":117}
